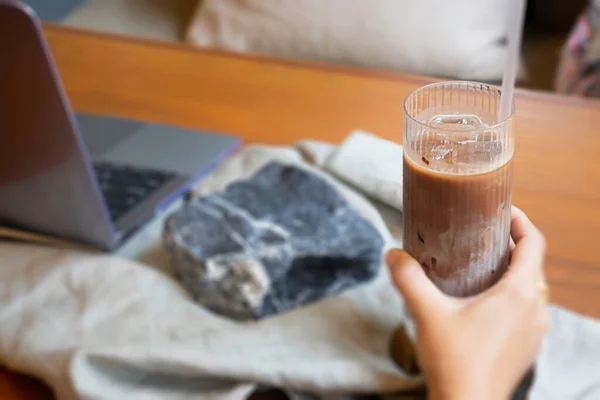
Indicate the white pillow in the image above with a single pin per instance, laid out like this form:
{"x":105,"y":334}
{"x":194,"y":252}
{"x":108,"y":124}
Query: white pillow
{"x":462,"y":39}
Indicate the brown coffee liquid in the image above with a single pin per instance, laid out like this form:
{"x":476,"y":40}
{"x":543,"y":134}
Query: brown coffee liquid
{"x":458,"y":225}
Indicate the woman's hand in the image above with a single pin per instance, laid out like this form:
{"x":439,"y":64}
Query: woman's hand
{"x":479,"y":347}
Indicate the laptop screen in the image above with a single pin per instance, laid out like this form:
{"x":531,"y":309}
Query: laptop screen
{"x":45,"y":180}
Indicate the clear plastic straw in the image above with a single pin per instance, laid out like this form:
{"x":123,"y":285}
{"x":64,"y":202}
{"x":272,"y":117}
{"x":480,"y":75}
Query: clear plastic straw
{"x":515,"y":33}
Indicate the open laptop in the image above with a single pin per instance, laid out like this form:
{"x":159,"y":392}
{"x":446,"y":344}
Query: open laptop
{"x":85,"y":178}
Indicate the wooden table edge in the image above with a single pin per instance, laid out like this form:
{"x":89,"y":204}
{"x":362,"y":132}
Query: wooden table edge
{"x":306,"y":64}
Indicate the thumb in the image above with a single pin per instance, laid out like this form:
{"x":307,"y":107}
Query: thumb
{"x":420,"y":294}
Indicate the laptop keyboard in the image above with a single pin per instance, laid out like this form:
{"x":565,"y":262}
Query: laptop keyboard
{"x":125,"y":187}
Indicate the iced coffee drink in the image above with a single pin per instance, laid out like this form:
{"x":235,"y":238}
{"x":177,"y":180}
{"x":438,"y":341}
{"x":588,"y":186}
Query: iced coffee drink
{"x":458,"y":173}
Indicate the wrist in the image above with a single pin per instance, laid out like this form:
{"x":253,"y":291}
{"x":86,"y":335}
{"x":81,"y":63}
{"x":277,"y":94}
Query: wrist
{"x":464,"y":391}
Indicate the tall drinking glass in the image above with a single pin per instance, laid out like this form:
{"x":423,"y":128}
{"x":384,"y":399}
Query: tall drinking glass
{"x":458,"y":180}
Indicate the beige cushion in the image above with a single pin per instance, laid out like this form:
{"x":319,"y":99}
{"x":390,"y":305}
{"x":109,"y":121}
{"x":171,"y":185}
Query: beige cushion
{"x":458,"y":38}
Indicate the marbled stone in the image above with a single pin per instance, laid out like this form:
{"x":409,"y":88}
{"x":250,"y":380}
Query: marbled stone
{"x":280,"y":240}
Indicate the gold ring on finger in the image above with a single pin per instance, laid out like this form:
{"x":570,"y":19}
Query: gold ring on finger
{"x":544,"y":290}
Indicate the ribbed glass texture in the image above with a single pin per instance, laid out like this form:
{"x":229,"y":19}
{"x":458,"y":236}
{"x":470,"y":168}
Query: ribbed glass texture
{"x":458,"y":180}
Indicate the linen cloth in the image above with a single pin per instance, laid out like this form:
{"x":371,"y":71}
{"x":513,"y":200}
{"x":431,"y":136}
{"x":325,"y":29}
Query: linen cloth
{"x":95,"y":326}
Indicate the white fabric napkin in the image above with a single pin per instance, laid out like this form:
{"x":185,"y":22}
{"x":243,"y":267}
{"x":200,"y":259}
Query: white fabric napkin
{"x":371,"y":164}
{"x":104,"y":327}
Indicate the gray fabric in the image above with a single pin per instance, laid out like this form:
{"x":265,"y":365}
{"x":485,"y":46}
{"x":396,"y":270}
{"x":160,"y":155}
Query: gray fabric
{"x":102,"y":327}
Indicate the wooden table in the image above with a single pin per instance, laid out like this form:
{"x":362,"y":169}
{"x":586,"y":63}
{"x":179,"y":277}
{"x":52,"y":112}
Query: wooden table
{"x":557,"y":165}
